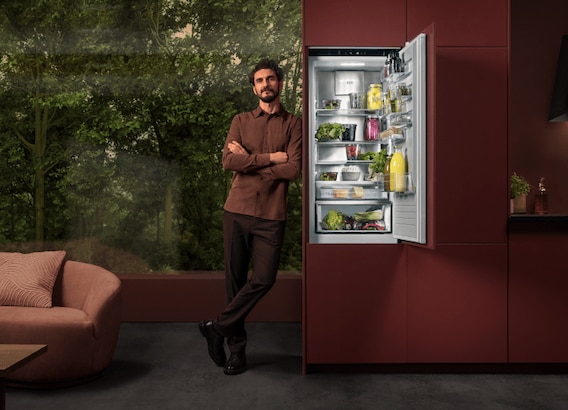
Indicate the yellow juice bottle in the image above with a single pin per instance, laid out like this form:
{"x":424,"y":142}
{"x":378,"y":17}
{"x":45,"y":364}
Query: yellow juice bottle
{"x":398,"y":171}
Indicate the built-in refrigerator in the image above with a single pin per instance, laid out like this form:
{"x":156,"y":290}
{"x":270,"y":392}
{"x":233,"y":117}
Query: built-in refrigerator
{"x":367,"y":106}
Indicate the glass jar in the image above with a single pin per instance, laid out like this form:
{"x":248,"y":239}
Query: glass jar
{"x":372,"y":128}
{"x":374,"y":101}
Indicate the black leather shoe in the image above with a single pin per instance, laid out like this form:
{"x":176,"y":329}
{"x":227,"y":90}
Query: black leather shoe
{"x":214,"y":342}
{"x":236,"y":364}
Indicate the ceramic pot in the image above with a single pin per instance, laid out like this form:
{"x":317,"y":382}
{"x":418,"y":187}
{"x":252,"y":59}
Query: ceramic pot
{"x":519,"y":204}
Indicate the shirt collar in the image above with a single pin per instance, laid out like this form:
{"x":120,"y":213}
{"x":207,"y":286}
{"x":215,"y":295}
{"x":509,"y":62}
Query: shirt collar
{"x":257,"y":112}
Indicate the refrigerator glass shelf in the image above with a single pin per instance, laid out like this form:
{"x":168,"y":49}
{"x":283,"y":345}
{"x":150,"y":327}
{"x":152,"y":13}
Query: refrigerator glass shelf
{"x":342,"y":143}
{"x":331,"y":184}
{"x":347,"y":112}
{"x":346,"y":201}
{"x":341,"y":162}
{"x":359,"y":231}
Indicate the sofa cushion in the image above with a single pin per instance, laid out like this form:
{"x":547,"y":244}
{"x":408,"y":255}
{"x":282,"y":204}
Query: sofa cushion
{"x":27,"y":279}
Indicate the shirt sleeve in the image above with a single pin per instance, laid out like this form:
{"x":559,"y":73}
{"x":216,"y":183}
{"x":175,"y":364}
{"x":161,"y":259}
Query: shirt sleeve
{"x":291,"y":169}
{"x":245,"y":163}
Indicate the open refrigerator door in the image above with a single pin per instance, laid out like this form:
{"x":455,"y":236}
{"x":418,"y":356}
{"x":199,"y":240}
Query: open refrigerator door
{"x":409,"y":202}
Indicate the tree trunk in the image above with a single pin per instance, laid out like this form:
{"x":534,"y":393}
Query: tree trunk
{"x":38,"y":152}
{"x":168,"y":213}
{"x":39,"y":204}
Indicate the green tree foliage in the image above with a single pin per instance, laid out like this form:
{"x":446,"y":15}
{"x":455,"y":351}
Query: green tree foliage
{"x":113,"y":120}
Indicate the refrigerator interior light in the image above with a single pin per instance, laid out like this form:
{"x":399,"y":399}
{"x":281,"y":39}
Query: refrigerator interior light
{"x":353,"y":64}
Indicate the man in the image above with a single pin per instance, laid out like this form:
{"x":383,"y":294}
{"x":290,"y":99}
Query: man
{"x":263,"y":149}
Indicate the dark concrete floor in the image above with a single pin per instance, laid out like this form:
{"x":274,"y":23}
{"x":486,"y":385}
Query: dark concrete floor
{"x":165,"y":366}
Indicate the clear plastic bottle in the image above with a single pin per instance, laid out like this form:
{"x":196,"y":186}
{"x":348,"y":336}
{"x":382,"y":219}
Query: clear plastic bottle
{"x":541,"y":199}
{"x":398,"y":171}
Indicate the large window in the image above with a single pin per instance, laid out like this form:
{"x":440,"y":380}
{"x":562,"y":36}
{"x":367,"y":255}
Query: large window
{"x":113,"y":118}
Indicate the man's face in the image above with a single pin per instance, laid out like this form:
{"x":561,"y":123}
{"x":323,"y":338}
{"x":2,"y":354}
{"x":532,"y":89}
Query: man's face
{"x":266,"y":85}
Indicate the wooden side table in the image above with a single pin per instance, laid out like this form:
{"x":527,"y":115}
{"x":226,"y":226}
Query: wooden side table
{"x":13,"y":357}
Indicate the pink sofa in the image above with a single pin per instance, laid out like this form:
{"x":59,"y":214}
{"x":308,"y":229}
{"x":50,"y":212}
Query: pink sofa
{"x":80,"y":330}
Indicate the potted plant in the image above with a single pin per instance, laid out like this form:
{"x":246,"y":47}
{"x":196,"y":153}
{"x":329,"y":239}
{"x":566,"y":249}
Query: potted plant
{"x":519,"y":190}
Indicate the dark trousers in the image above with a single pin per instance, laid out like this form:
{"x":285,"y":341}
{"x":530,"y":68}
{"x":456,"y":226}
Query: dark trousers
{"x":247,"y":237}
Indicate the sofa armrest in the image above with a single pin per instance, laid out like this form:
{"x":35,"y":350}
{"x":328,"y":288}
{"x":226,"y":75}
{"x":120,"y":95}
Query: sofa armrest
{"x":92,"y":289}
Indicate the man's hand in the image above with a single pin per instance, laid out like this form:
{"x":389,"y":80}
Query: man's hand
{"x":278,"y":157}
{"x":236,"y":148}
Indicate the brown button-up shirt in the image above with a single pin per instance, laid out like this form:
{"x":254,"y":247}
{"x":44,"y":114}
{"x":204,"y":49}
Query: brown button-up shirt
{"x":259,"y":188}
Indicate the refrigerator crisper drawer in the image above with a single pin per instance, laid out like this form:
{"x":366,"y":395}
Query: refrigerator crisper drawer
{"x":345,"y":216}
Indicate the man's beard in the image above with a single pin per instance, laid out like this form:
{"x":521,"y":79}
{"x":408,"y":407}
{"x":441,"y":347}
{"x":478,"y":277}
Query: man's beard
{"x":268,"y":98}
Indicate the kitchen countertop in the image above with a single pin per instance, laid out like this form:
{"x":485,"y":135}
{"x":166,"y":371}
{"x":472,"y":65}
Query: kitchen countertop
{"x":540,"y":223}
{"x":538,"y":218}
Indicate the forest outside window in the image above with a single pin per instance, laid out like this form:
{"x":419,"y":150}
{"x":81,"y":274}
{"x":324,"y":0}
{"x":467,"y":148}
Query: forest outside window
{"x":113,"y":119}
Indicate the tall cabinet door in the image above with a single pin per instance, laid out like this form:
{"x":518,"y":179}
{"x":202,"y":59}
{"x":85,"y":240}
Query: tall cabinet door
{"x":355,"y":304}
{"x":409,"y":219}
{"x":480,"y":23}
{"x":471,"y":145}
{"x":361,"y":23}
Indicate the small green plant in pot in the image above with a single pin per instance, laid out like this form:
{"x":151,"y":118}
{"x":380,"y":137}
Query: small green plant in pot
{"x":519,"y":190}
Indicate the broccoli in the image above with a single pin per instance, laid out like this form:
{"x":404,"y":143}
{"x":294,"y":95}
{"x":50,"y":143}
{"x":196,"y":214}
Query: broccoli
{"x":334,"y":221}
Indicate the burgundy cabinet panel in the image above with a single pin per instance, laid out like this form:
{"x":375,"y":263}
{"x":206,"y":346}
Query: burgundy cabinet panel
{"x":461,"y":23}
{"x":470,"y":174}
{"x":355,"y":304}
{"x":361,"y":23}
{"x":457,"y":304}
{"x":538,"y":296}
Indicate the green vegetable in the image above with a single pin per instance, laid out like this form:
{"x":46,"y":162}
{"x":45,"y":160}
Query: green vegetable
{"x":334,"y":221}
{"x":368,"y":156}
{"x":379,"y":161}
{"x":375,"y":215}
{"x":330,"y":131}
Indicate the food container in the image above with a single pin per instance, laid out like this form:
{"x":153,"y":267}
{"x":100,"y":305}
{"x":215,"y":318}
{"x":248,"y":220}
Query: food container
{"x":372,"y":128}
{"x":349,"y":134}
{"x":327,"y":176}
{"x":340,"y":193}
{"x":352,"y":151}
{"x":331,"y":104}
{"x":350,"y":175}
{"x":374,"y":101}
{"x":357,"y":192}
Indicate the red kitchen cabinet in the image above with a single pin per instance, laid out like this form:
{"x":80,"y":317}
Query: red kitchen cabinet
{"x":470,"y":158}
{"x":355,"y":304}
{"x":461,"y":23}
{"x":457,"y":304}
{"x":360,"y":23}
{"x":538,"y":301}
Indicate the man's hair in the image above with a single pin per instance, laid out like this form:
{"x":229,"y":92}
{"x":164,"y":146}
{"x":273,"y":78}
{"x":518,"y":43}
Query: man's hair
{"x":266,"y":63}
